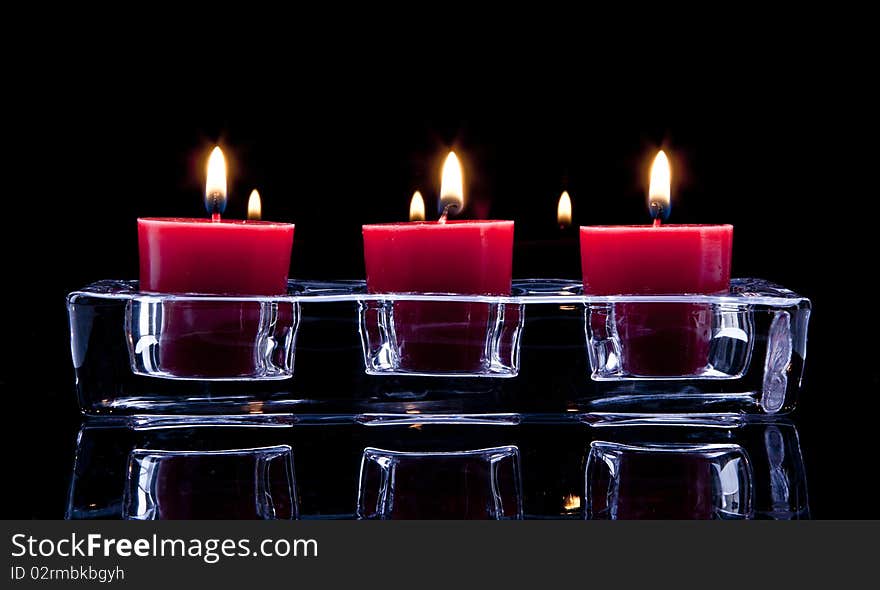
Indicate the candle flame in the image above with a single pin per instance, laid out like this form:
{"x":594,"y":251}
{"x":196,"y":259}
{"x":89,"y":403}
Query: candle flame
{"x":563,"y":210}
{"x":659,"y":189}
{"x":215,"y":186}
{"x":417,"y":207}
{"x":452,"y":185}
{"x":571,"y":502}
{"x":255,"y":206}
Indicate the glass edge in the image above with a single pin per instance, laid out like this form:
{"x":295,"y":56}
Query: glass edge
{"x":752,"y":292}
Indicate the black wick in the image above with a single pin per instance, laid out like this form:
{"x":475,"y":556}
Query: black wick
{"x":449,"y":208}
{"x":659,"y":210}
{"x":215,"y":203}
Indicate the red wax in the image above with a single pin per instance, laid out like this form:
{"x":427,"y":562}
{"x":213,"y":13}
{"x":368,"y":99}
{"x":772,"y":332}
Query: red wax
{"x":213,"y":339}
{"x":462,"y":257}
{"x":661,"y":339}
{"x":204,"y":256}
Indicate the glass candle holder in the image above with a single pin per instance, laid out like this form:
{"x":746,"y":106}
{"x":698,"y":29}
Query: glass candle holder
{"x":545,"y":348}
{"x":443,"y":336}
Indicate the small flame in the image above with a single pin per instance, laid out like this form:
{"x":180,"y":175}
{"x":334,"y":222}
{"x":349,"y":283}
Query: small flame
{"x":452,"y":185}
{"x":417,"y":207}
{"x":659,"y":189}
{"x":571,"y":502}
{"x":563,"y":210}
{"x":215,"y":186}
{"x":255,"y":206}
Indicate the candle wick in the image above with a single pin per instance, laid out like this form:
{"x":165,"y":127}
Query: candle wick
{"x":215,"y":203}
{"x":445,"y":213}
{"x":659,"y":212}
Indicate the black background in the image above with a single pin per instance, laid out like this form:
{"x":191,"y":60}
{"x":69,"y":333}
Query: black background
{"x":776,"y":140}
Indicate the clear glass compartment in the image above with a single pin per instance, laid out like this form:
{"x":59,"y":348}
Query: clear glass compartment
{"x":211,"y":339}
{"x":440,"y":338}
{"x":669,"y":340}
{"x":385,"y":357}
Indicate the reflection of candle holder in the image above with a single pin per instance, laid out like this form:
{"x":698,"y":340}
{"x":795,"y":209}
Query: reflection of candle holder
{"x":451,"y":336}
{"x":478,"y":484}
{"x":687,"y":471}
{"x":330,"y":459}
{"x":785,"y":489}
{"x":230,"y":484}
{"x":668,"y":481}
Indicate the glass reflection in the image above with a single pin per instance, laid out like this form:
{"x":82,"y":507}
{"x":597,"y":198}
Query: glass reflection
{"x":472,"y":485}
{"x":233,"y":484}
{"x":668,"y":481}
{"x":390,"y":469}
{"x":181,"y":474}
{"x":684,"y":472}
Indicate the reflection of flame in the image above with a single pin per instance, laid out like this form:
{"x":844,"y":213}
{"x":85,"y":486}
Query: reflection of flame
{"x":452,"y":185}
{"x":414,"y":411}
{"x":659,"y":189}
{"x":563,"y":210}
{"x":215,"y":185}
{"x":417,"y":207}
{"x":571,"y":502}
{"x":255,"y":206}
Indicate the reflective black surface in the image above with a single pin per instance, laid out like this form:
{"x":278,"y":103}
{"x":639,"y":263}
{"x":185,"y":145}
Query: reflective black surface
{"x":531,"y":470}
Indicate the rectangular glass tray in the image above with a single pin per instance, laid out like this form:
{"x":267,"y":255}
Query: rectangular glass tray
{"x":331,"y":349}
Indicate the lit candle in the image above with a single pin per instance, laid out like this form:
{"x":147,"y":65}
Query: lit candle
{"x":213,"y":256}
{"x":417,"y":207}
{"x":255,"y":206}
{"x":661,"y":339}
{"x":444,"y":256}
{"x":659,"y":188}
{"x":563,"y":210}
{"x":215,"y":184}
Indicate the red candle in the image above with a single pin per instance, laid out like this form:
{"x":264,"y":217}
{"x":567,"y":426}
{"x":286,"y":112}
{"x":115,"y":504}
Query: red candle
{"x":465,"y":257}
{"x":233,"y":257}
{"x":213,"y":256}
{"x":461,"y":257}
{"x":664,"y":339}
{"x":642,"y":260}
